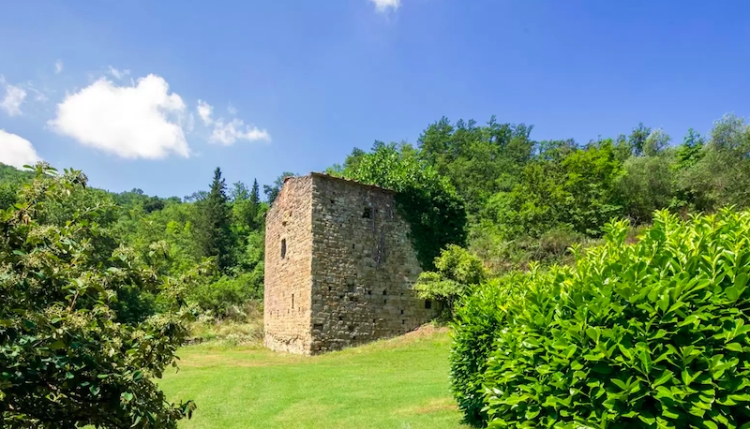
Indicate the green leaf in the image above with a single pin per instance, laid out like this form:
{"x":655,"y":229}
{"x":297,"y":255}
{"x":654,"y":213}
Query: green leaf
{"x":688,"y":378}
{"x":59,"y":344}
{"x":663,"y":378}
{"x":735,"y":347}
{"x":647,"y":418}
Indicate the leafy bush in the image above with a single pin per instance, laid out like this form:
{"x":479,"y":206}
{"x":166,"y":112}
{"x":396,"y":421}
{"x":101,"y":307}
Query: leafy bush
{"x":232,"y":332}
{"x":557,"y":241}
{"x":576,"y":192}
{"x":652,"y":335}
{"x":65,"y":359}
{"x":456,"y":271}
{"x":647,"y":184}
{"x":719,"y":171}
{"x":476,"y":323}
{"x":8,"y":194}
{"x":226,"y":297}
{"x":501,"y":254}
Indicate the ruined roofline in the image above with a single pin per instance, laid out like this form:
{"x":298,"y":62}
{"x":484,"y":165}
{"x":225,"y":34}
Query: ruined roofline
{"x":345,"y":180}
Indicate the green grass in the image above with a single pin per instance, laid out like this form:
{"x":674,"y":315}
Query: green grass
{"x":396,"y":384}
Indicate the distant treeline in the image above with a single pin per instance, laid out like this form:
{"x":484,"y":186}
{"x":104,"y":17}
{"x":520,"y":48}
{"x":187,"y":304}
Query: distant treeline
{"x":529,"y":200}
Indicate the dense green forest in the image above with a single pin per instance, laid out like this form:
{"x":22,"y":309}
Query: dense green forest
{"x":101,"y":287}
{"x":493,"y":189}
{"x":220,"y":231}
{"x":527,"y":200}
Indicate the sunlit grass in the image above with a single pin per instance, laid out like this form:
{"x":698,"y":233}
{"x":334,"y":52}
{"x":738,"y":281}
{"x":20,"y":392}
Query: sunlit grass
{"x":398,"y":383}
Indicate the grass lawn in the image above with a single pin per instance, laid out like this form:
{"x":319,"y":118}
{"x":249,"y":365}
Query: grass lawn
{"x":400,"y":383}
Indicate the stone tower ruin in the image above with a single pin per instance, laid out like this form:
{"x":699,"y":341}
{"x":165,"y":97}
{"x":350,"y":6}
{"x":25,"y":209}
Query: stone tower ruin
{"x":339,"y":267}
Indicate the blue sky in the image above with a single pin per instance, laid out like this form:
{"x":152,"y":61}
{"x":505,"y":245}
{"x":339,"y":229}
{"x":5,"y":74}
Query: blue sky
{"x":295,"y":85}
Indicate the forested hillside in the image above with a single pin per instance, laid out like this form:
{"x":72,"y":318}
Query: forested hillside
{"x":103,"y":287}
{"x":528,"y":200}
{"x":220,"y":231}
{"x":491,"y":188}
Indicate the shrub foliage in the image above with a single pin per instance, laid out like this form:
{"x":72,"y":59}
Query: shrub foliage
{"x":67,"y":359}
{"x":652,"y":335}
{"x":456,"y":271}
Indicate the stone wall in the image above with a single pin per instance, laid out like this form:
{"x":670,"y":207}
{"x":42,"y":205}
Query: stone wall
{"x":339,"y":267}
{"x":363,"y":266}
{"x":288,"y":278}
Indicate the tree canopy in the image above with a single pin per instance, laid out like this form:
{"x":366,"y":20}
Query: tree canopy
{"x":66,"y":357}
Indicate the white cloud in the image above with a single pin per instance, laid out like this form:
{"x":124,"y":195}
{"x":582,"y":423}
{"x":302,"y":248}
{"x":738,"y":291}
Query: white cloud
{"x":59,"y":67}
{"x":14,"y":96}
{"x":228,"y":133}
{"x":384,"y":5}
{"x":16,"y":150}
{"x":140,"y":121}
{"x":204,"y":111}
{"x":118,"y":74}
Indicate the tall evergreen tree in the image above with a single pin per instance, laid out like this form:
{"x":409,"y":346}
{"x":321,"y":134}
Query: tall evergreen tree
{"x":213,"y":233}
{"x":255,"y":192}
{"x":255,"y":202}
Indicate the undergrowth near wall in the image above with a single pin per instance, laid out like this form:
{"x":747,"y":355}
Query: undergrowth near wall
{"x":426,"y":200}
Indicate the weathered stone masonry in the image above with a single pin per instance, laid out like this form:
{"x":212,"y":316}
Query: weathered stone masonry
{"x":339,"y":267}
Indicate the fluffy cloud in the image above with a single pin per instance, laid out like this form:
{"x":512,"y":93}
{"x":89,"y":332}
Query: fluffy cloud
{"x":14,"y":96}
{"x":228,"y":133}
{"x":140,"y":121}
{"x":204,"y":111}
{"x":16,"y":150}
{"x":384,"y":5}
{"x":59,"y":67}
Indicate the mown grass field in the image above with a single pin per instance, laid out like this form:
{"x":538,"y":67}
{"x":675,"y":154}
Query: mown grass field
{"x":400,"y":383}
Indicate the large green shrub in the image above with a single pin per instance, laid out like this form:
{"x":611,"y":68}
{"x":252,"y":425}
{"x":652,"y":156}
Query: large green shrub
{"x":225,"y":297}
{"x":653,"y":335}
{"x":476,"y":323}
{"x":456,"y":271}
{"x":67,"y":359}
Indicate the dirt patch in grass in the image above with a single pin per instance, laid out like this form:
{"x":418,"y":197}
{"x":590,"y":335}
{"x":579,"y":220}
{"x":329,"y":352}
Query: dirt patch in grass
{"x":425,"y":331}
{"x":218,"y":354}
{"x":435,"y":405}
{"x":219,"y":360}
